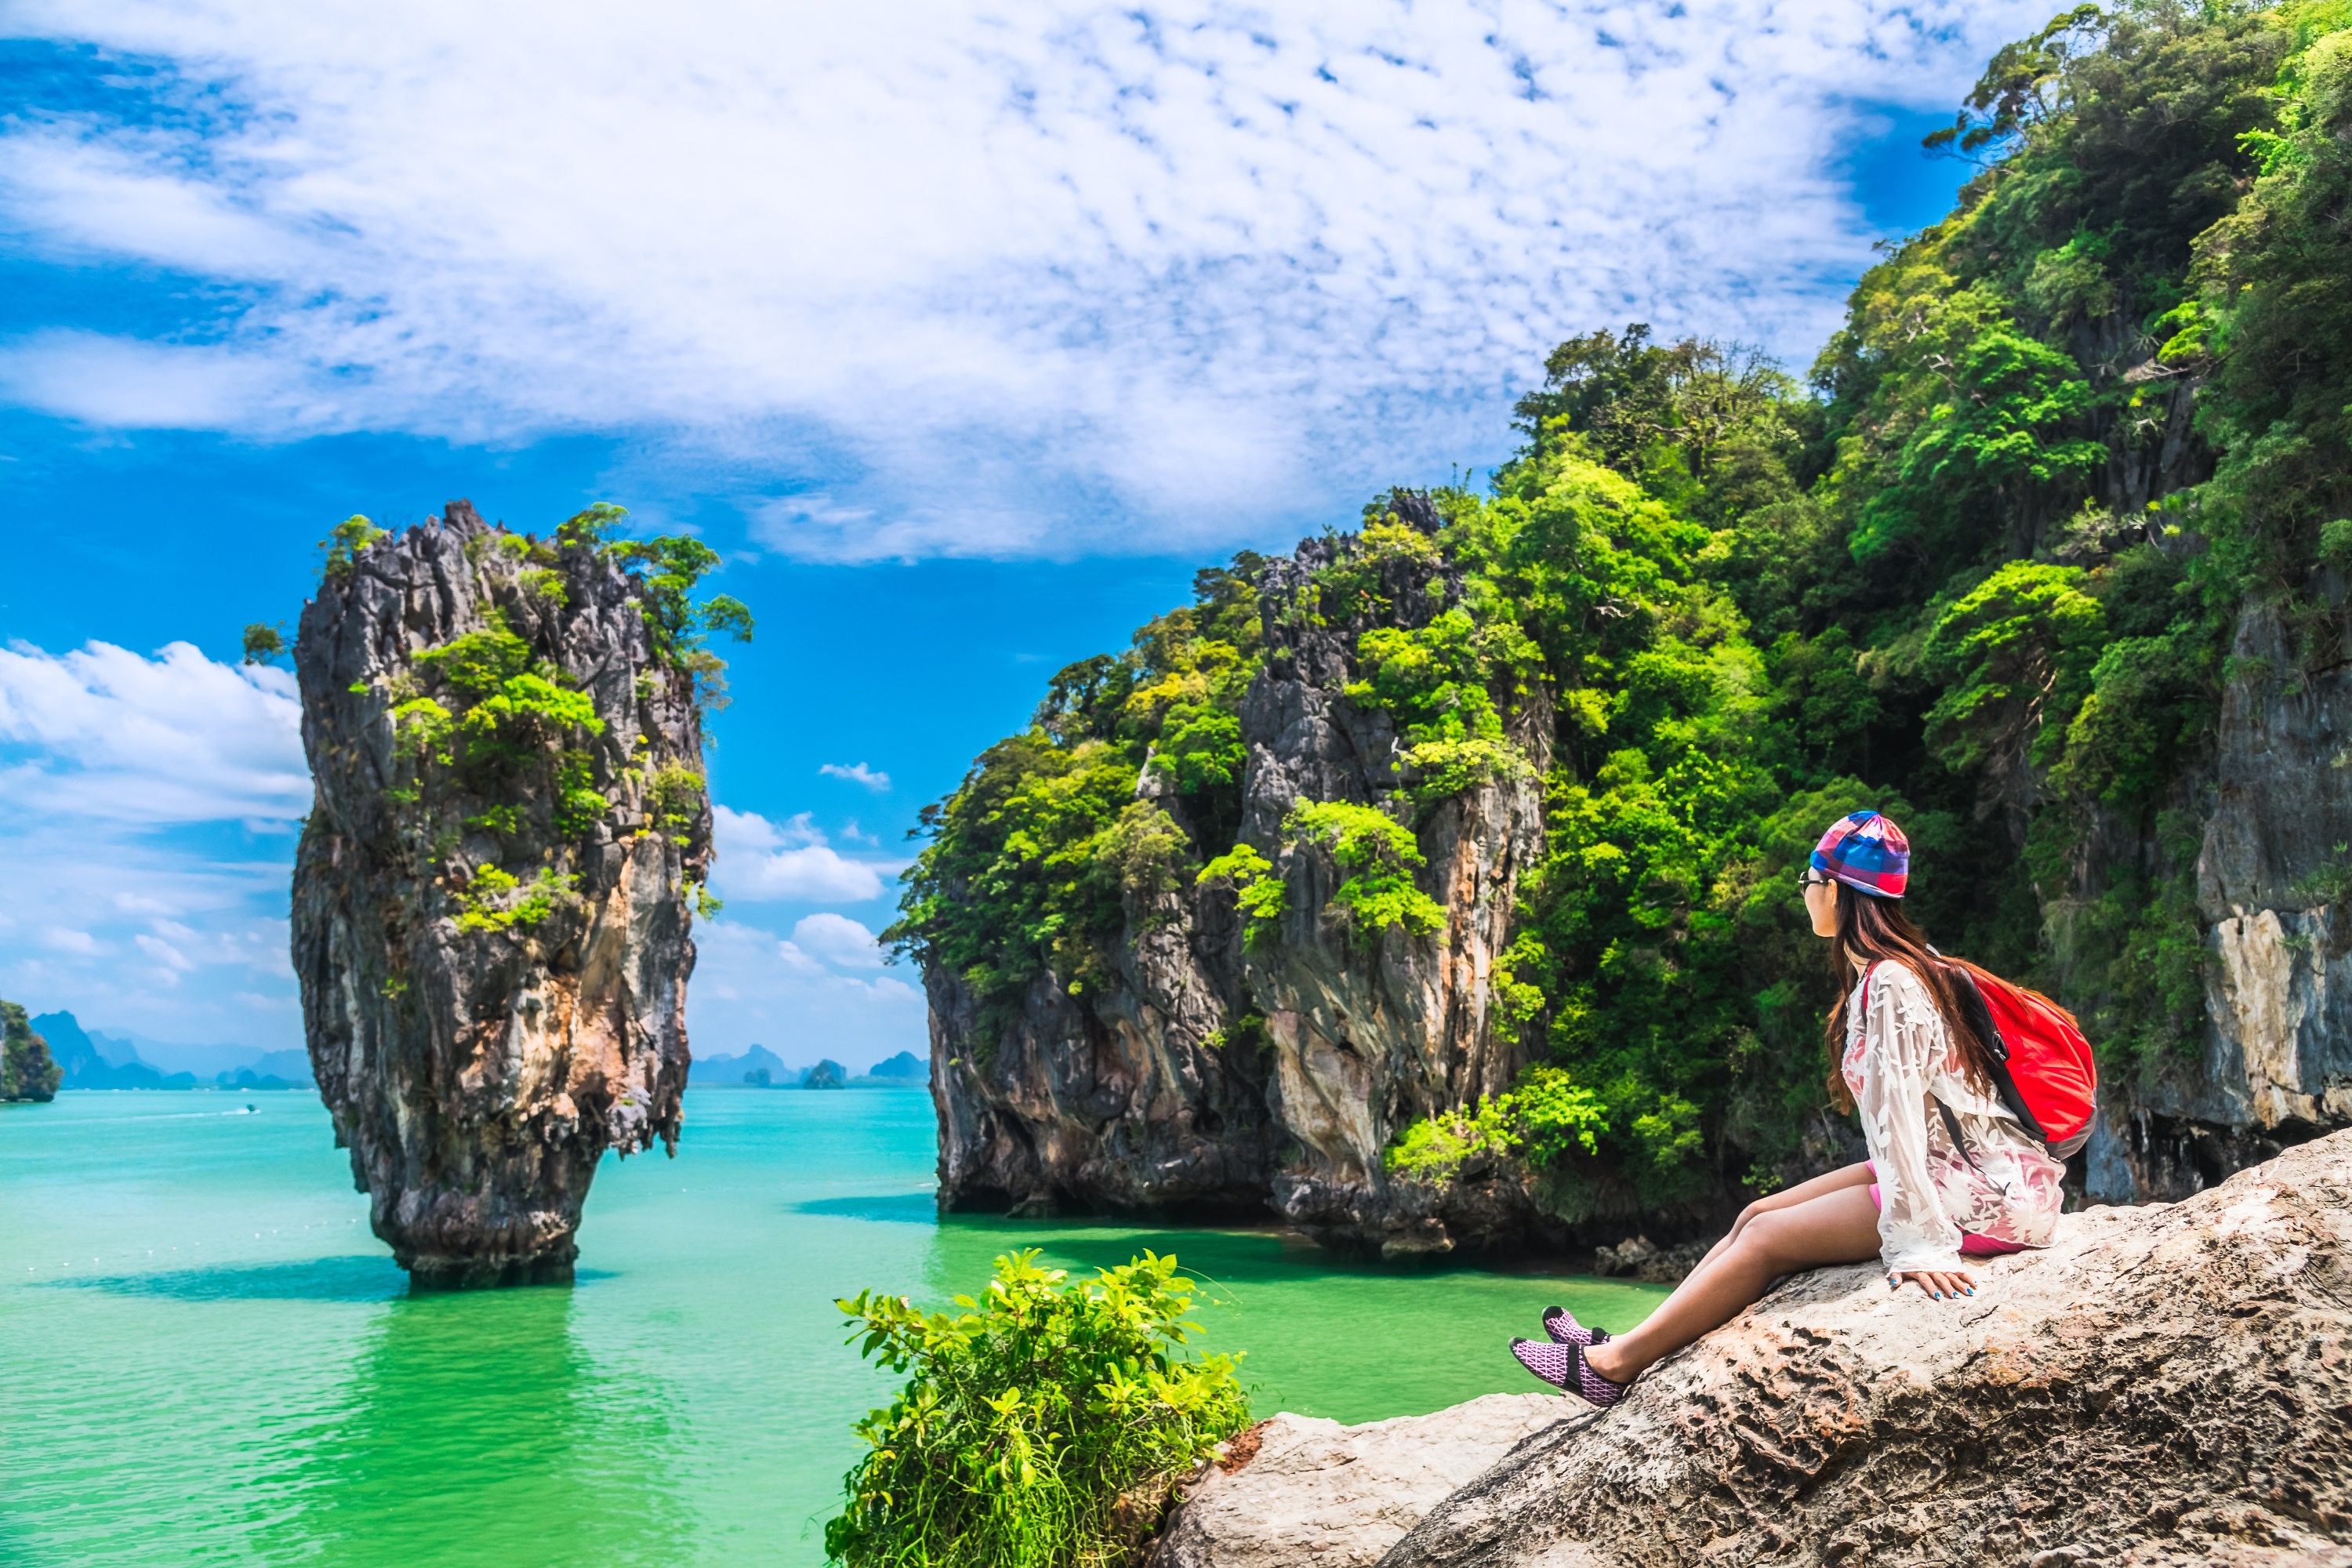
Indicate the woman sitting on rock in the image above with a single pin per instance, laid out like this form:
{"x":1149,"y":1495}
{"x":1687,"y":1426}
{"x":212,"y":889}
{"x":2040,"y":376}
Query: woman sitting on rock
{"x":1951,"y":1172}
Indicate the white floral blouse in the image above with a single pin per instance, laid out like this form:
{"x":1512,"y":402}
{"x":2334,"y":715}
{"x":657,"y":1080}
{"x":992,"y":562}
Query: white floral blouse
{"x":1929,"y":1193}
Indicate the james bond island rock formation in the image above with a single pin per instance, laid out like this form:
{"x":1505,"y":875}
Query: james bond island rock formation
{"x":493,"y":894}
{"x":2163,"y":1386}
{"x":1434,"y":887}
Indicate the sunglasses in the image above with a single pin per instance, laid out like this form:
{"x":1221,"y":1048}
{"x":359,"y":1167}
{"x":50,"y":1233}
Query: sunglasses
{"x":1805,"y":879}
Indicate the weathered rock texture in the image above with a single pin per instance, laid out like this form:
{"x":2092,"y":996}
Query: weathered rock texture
{"x":1129,"y":1097}
{"x":2170,"y":1384}
{"x":477,"y":1075}
{"x":2270,"y":872}
{"x":2267,"y":804}
{"x":1313,"y":1492}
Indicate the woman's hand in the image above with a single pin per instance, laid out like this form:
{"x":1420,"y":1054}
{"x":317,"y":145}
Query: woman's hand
{"x":1934,"y":1282}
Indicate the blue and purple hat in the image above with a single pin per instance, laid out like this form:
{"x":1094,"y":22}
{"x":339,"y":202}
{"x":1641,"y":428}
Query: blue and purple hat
{"x":1866,"y":851}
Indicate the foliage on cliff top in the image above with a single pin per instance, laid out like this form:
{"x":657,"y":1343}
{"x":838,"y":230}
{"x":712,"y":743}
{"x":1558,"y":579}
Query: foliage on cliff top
{"x":1032,"y":863}
{"x":1040,"y":1427}
{"x":1981,"y":573}
{"x":27,"y":1069}
{"x":506,"y":742}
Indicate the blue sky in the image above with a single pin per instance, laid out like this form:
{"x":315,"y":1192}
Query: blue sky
{"x":965,"y":336}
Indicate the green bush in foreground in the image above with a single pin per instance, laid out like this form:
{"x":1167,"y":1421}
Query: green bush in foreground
{"x":1042,"y":1427}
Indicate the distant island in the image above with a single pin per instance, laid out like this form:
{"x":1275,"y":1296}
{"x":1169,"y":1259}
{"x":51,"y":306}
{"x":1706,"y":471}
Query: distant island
{"x":89,"y":1058}
{"x":58,"y":1051}
{"x":760,"y":1067}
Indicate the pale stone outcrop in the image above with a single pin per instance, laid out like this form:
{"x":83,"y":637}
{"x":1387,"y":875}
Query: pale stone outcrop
{"x":1311,"y":1490}
{"x":2168,"y":1385}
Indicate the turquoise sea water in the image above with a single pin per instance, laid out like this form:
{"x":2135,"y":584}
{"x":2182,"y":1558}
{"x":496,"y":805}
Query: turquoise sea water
{"x":204,"y":1357}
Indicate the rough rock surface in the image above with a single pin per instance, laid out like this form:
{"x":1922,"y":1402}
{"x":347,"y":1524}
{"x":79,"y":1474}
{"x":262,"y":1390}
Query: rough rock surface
{"x":1339,"y":1497}
{"x":477,"y":1075}
{"x":1366,"y":1042}
{"x":2167,"y":1385}
{"x":1127,"y":1098}
{"x":2271,"y":874}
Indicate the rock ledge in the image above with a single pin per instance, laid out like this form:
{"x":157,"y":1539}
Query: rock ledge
{"x":2164,"y":1385}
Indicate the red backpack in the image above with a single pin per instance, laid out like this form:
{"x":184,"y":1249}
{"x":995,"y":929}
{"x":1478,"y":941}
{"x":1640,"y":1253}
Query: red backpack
{"x":2040,"y":1063}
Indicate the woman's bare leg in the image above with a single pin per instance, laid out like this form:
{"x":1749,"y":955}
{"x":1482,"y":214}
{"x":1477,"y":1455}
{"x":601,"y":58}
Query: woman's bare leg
{"x":1854,"y":1175}
{"x":1839,"y":1226}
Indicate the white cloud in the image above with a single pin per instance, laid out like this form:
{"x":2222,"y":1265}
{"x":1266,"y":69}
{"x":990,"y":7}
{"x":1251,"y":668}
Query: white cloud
{"x":838,"y":939}
{"x":858,"y":774}
{"x":130,"y":788}
{"x":945,"y":279}
{"x":758,"y":860}
{"x":105,"y":732}
{"x":162,"y":951}
{"x":750,"y":985}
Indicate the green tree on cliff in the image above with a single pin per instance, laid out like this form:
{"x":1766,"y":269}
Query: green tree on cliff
{"x":26,"y":1071}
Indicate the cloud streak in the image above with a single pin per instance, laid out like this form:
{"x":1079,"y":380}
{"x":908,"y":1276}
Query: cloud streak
{"x":857,"y":774}
{"x":927,"y":280}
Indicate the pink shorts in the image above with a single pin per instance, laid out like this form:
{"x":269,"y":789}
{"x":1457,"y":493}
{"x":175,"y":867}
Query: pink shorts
{"x":1971,"y":1243}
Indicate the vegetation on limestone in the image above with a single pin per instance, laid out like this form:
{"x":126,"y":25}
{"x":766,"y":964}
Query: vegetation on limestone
{"x":1032,"y":864}
{"x":1379,"y":855}
{"x":27,"y":1069}
{"x":264,"y":644}
{"x":1040,"y":1426}
{"x":496,"y":899}
{"x":490,"y":722}
{"x":1980,"y":570}
{"x":1537,"y":1120}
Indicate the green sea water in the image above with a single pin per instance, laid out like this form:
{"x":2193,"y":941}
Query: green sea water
{"x":204,"y":1357}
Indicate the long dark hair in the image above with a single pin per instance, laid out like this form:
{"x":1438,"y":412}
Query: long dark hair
{"x":1872,"y":929}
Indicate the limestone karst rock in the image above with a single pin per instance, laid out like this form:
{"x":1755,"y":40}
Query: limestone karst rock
{"x":2166,"y":1384}
{"x":27,"y":1068}
{"x":493,"y":891}
{"x":2276,"y":1064}
{"x":1203,"y":1075}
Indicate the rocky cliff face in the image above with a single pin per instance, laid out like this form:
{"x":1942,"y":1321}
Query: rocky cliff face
{"x":491,"y":906}
{"x":2162,"y":1385}
{"x":1208,"y":1076}
{"x":1364,"y":1042}
{"x":1205,"y":1074}
{"x":2271,"y":869}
